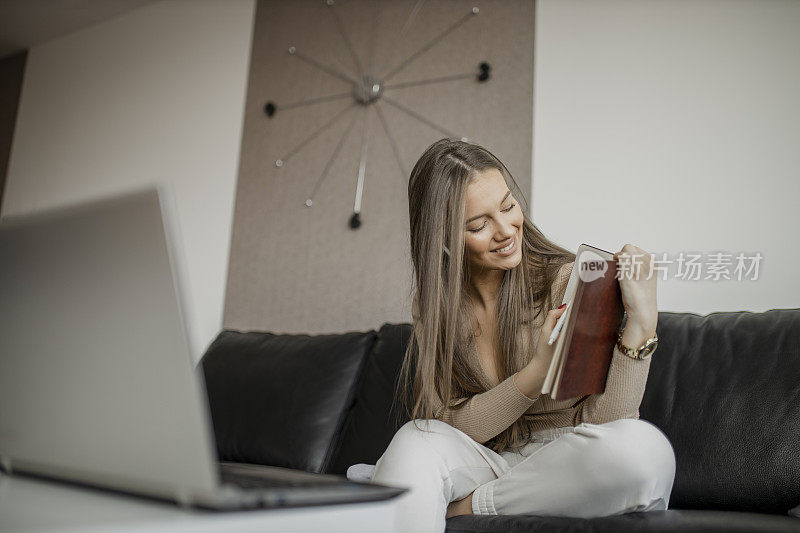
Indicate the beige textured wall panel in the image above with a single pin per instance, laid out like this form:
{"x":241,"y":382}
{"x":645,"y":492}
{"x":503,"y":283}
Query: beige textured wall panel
{"x":299,"y":269}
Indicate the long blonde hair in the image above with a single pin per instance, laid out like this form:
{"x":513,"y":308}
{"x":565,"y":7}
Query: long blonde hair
{"x":436,"y":362}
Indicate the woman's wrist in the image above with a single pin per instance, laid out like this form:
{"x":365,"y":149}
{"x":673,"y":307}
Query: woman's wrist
{"x":528,"y":381}
{"x":638,"y":331}
{"x":645,"y":319}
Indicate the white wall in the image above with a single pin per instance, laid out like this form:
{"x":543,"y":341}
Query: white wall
{"x":155,"y":95}
{"x":675,"y":126}
{"x":679,"y":120}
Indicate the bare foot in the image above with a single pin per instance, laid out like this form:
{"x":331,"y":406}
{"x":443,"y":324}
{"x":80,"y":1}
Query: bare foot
{"x":459,"y":507}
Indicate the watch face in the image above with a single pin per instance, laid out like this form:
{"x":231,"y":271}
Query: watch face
{"x":649,"y":348}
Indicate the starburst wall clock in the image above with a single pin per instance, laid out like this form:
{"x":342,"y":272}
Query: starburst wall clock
{"x":371,"y":89}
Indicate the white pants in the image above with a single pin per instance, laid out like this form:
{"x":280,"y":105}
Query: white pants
{"x":589,"y":470}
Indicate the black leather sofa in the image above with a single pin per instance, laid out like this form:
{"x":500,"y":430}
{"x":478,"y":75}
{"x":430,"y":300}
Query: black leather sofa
{"x":724,"y":387}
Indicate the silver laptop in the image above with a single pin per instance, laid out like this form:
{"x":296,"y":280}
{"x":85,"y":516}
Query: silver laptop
{"x":97,"y":385}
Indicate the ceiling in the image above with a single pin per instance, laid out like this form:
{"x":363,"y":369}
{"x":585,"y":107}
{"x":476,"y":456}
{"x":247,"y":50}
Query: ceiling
{"x":26,"y":23}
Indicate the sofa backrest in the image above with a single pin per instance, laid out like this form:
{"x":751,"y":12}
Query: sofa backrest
{"x":725,"y":389}
{"x":375,"y":417}
{"x":282,"y":400}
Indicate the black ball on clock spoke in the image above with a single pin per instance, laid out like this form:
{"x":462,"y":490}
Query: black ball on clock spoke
{"x":484,"y":67}
{"x":355,"y":221}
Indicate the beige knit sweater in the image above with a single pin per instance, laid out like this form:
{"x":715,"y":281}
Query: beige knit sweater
{"x":489,"y":413}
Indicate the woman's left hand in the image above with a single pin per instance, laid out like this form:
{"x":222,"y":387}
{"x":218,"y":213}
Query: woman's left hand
{"x":638,"y":286}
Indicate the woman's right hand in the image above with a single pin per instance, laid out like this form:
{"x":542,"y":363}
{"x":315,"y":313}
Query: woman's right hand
{"x":543,"y":350}
{"x":530,"y":379}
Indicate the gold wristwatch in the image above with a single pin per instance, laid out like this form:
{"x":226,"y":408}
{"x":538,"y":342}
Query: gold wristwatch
{"x":643,"y":352}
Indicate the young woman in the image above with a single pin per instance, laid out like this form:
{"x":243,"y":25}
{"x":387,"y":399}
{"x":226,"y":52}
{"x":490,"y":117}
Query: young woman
{"x":481,"y":438}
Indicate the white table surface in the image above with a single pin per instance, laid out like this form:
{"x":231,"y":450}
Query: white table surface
{"x":31,"y":504}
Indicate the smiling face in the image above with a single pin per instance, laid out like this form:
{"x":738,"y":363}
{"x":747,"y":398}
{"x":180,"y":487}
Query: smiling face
{"x":493,"y":220}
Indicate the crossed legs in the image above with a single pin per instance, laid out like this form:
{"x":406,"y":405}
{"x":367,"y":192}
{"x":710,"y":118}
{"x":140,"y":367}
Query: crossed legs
{"x":597,"y":470}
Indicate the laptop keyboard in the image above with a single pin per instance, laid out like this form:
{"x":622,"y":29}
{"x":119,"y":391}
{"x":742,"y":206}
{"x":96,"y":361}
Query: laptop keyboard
{"x":264,"y":486}
{"x":249,"y":481}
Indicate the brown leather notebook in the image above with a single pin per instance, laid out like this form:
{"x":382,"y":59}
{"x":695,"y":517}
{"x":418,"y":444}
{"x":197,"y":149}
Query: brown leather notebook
{"x":586,"y":343}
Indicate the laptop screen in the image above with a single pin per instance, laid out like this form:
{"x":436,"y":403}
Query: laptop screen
{"x":97,"y":382}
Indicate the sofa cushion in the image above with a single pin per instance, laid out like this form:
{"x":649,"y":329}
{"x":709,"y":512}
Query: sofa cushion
{"x":281,"y":400}
{"x":373,"y":420}
{"x":650,"y":522}
{"x":725,"y":389}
